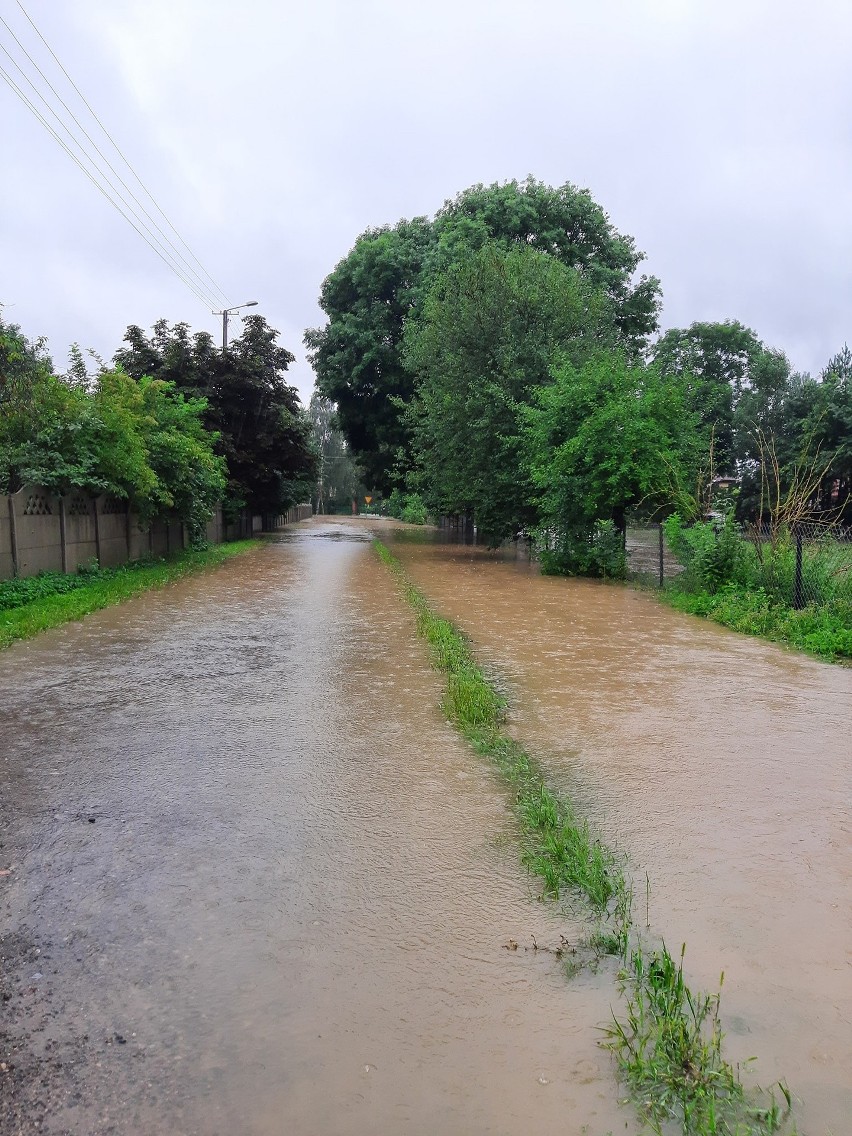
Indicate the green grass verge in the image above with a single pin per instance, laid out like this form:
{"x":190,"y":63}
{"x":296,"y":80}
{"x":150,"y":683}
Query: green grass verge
{"x":825,"y":631}
{"x":668,"y":1043}
{"x":102,"y":588}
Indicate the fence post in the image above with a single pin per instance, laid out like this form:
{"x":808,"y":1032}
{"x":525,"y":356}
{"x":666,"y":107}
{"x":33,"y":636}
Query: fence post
{"x":63,"y":543}
{"x":97,"y":532}
{"x":662,"y":552}
{"x":13,"y":536}
{"x":798,"y":599}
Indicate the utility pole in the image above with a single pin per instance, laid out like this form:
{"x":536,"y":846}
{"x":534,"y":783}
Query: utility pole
{"x":224,"y":315}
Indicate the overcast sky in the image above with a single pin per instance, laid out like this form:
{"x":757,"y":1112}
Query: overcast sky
{"x":717,"y":133}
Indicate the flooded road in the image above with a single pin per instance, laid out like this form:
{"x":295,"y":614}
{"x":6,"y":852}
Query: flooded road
{"x":254,"y":884}
{"x":720,"y":764}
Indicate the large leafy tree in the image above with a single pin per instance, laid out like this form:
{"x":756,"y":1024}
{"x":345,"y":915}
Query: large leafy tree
{"x":262,"y":431}
{"x":137,"y":439}
{"x":491,"y":328}
{"x":832,"y":425}
{"x":816,"y":432}
{"x":383,"y":282}
{"x":720,"y":363}
{"x":566,"y":223}
{"x":357,"y":354}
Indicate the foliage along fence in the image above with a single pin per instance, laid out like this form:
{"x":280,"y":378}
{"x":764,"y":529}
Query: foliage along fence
{"x":797,"y":566}
{"x":43,"y":532}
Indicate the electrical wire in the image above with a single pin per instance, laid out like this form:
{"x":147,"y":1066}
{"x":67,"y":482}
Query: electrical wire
{"x":11,"y":82}
{"x":118,"y":151}
{"x":153,"y":234}
{"x":111,"y":192}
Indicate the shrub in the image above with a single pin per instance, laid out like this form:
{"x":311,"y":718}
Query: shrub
{"x":597,"y":553}
{"x":711,"y":555}
{"x":395,"y":504}
{"x":414,"y":512}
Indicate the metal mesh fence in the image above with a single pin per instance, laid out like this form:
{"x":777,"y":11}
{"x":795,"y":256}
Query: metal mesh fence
{"x":806,"y":564}
{"x":797,"y":565}
{"x":649,"y":558}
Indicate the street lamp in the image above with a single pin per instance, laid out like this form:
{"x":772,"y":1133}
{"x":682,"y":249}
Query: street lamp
{"x":224,"y":315}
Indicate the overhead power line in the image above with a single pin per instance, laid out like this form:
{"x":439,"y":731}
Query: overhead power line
{"x":115,"y":146}
{"x":153,"y":230}
{"x":101,"y":172}
{"x":5,"y":75}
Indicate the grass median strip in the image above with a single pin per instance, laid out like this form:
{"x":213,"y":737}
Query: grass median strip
{"x":668,"y":1040}
{"x":32,"y":605}
{"x":558,"y":847}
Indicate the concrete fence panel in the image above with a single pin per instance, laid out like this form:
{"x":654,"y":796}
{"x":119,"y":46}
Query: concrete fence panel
{"x":114,"y":523}
{"x":39,"y":531}
{"x":7,"y":561}
{"x":159,"y":539}
{"x":81,"y":531}
{"x":42,"y":532}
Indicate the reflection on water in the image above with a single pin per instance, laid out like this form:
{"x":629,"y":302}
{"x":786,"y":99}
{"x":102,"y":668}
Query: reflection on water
{"x":269,"y":885}
{"x":721,"y":764}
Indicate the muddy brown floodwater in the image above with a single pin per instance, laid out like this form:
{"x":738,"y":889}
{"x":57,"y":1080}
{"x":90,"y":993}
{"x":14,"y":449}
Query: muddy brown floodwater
{"x":254,"y":885}
{"x":720,"y":764}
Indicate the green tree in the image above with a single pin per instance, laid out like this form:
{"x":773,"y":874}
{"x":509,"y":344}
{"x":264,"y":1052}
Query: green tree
{"x":190,"y":476}
{"x":816,"y":430}
{"x":140,"y":440}
{"x":491,"y":328}
{"x":566,"y":223}
{"x":601,"y":438}
{"x":262,"y":431}
{"x":359,"y":356}
{"x":49,"y":430}
{"x":832,"y":427}
{"x":338,"y":479}
{"x":718,"y":362}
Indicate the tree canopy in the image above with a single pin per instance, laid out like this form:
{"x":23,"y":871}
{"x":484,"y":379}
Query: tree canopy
{"x":382,"y":284}
{"x":137,"y":439}
{"x":492,"y":326}
{"x":262,"y":431}
{"x":605,"y":437}
{"x":357,"y":355}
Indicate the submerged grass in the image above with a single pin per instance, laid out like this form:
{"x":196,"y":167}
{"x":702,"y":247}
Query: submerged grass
{"x":825,"y":631}
{"x":668,"y":1044}
{"x":104,"y":588}
{"x":669,"y":1051}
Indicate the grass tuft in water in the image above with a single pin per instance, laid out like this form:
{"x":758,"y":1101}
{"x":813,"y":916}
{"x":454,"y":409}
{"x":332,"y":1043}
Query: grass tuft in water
{"x":669,"y":1050}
